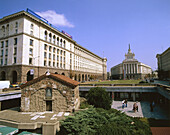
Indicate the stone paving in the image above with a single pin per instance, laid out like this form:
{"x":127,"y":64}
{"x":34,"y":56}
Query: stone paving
{"x":143,"y":110}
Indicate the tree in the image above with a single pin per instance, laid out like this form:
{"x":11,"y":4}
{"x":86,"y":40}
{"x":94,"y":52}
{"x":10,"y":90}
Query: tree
{"x":99,"y":97}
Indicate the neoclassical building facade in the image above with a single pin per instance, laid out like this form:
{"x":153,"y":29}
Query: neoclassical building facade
{"x":163,"y":60}
{"x":130,"y":68}
{"x":30,"y":46}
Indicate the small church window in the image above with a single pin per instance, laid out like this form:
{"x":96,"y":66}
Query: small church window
{"x":48,"y":93}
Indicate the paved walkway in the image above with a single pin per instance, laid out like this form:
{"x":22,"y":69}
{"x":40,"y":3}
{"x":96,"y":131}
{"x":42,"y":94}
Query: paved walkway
{"x":143,"y":110}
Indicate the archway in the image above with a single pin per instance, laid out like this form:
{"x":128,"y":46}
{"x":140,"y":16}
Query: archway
{"x":75,"y":77}
{"x":56,"y":72}
{"x":3,"y":75}
{"x":79,"y":78}
{"x":62,"y":74}
{"x":83,"y":77}
{"x":30,"y":76}
{"x":14,"y":77}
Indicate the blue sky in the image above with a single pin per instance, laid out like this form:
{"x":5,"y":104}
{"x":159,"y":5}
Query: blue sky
{"x":106,"y":27}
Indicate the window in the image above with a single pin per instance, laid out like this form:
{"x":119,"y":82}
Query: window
{"x":57,"y":58}
{"x":16,"y":31}
{"x":49,"y":55}
{"x":30,"y":61}
{"x":57,"y":64}
{"x":53,"y":64}
{"x":44,"y":62}
{"x":54,"y":39}
{"x":61,"y":52}
{"x":57,"y":40}
{"x":53,"y":50}
{"x":6,"y":52}
{"x":45,"y":47}
{"x":31,"y":51}
{"x":32,"y":26}
{"x":49,"y":63}
{"x":16,"y":25}
{"x":60,"y":65}
{"x":64,"y":44}
{"x":57,"y":51}
{"x":45,"y":55}
{"x":3,"y":30}
{"x":2,"y":44}
{"x":61,"y":59}
{"x":48,"y":94}
{"x":61,"y":42}
{"x":45,"y":35}
{"x":50,"y":48}
{"x":31,"y":42}
{"x":6,"y":61}
{"x":31,"y":32}
{"x":64,"y":53}
{"x":15,"y":51}
{"x":15,"y":41}
{"x":50,"y":37}
{"x":7,"y":29}
{"x":15,"y":60}
{"x":64,"y":66}
{"x":2,"y":53}
{"x":6,"y":43}
{"x":53,"y":56}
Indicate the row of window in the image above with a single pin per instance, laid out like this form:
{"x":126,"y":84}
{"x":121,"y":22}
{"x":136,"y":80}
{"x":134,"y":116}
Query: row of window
{"x":5,"y":30}
{"x":6,"y":61}
{"x":54,"y":40}
{"x":5,"y":43}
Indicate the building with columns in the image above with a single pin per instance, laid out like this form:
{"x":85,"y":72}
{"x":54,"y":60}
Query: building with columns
{"x":30,"y":45}
{"x":130,"y":68}
{"x":163,"y":60}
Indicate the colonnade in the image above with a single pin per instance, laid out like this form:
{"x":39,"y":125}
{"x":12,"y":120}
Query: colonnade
{"x":130,"y":68}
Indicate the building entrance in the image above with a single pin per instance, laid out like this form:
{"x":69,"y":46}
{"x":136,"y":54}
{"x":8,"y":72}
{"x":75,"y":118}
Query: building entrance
{"x":48,"y":105}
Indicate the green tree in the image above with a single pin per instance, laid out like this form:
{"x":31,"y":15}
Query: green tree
{"x":99,"y":97}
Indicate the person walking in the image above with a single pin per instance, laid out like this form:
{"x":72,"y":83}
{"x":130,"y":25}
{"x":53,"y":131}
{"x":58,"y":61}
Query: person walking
{"x":126,"y":102}
{"x":123,"y":104}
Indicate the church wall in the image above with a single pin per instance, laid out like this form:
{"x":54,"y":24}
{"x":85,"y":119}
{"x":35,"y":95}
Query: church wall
{"x":33,"y":97}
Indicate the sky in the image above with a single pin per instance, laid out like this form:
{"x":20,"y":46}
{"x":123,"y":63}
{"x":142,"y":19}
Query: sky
{"x":107,"y":27}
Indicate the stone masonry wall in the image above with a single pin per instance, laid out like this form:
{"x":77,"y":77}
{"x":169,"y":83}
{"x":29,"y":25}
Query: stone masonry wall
{"x":33,"y":96}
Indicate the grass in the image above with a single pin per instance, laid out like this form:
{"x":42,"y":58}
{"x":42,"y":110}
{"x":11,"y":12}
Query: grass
{"x":114,"y":82}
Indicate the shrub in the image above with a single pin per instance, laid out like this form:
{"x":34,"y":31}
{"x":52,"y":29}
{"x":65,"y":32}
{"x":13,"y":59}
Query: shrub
{"x":97,"y":121}
{"x":99,"y":97}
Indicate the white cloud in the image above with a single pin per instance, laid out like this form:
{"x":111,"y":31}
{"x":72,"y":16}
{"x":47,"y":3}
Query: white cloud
{"x":55,"y":19}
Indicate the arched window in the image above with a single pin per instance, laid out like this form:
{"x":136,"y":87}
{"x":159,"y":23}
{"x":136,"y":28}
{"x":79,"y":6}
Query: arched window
{"x":54,"y":39}
{"x":61,"y":42}
{"x":64,"y":44}
{"x":45,"y":35}
{"x":3,"y":30}
{"x":50,"y":37}
{"x":48,"y":94}
{"x":16,"y":25}
{"x":57,"y":40}
{"x":32,"y":26}
{"x":7,"y":29}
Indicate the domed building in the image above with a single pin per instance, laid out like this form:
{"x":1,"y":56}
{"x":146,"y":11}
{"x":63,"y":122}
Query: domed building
{"x":130,"y":68}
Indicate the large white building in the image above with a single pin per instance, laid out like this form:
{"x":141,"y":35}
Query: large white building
{"x":130,"y":68}
{"x":30,"y":46}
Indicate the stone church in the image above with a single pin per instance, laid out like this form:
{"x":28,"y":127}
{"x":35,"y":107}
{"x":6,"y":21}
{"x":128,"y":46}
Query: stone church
{"x":130,"y":68}
{"x":50,"y":92}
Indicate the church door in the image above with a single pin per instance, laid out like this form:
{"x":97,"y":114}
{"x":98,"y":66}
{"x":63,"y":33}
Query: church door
{"x":48,"y":105}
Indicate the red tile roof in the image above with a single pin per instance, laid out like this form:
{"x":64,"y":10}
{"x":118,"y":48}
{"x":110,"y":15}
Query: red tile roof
{"x":60,"y":78}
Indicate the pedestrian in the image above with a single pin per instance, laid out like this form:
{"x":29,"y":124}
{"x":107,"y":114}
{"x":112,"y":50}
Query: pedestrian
{"x":123,"y":104}
{"x":126,"y":102}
